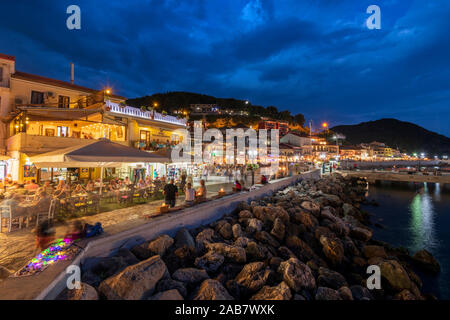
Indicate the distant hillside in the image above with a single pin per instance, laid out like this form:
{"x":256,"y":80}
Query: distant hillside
{"x":407,"y":136}
{"x":171,"y":101}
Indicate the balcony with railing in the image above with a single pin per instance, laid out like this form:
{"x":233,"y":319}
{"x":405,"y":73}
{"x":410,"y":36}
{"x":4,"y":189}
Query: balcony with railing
{"x":115,"y":108}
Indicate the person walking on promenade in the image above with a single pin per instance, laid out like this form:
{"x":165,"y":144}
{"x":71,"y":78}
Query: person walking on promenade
{"x":171,"y":193}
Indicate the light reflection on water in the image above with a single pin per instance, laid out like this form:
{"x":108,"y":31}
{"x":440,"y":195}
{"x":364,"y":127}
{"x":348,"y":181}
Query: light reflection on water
{"x":416,"y":219}
{"x":422,"y":225}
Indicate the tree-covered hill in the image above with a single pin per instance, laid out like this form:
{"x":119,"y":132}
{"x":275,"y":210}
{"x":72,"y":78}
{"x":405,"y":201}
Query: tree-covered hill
{"x":406,"y":136}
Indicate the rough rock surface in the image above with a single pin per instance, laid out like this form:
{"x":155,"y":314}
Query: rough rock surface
{"x":210,"y":262}
{"x":297,"y":275}
{"x":136,"y":281}
{"x":190,"y":275}
{"x":172,"y":294}
{"x":310,"y":241}
{"x":86,"y":292}
{"x":426,"y":262}
{"x":212,"y":290}
{"x":279,"y":292}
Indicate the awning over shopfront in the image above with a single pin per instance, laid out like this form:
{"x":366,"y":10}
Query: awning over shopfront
{"x":50,"y":113}
{"x":101,"y":153}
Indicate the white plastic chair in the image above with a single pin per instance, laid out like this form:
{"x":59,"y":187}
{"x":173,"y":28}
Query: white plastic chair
{"x":6,"y":213}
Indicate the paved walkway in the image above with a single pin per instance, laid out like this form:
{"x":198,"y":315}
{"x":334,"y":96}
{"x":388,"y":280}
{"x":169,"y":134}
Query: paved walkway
{"x":18,"y":247}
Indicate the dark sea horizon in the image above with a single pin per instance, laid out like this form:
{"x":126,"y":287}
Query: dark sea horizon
{"x":415,"y":220}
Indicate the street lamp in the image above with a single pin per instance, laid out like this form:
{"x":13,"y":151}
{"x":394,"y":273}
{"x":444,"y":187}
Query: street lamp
{"x":325,"y":126}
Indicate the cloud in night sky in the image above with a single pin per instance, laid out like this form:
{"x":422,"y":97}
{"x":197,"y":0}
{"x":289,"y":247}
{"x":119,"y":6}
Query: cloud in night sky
{"x":314,"y":57}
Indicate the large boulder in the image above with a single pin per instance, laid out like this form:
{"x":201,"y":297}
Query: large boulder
{"x":300,"y":248}
{"x":346,"y":293}
{"x":237,"y":231}
{"x":128,"y":256}
{"x":183,"y":238}
{"x":360,"y":233}
{"x":331,"y":279}
{"x":255,"y":251}
{"x":360,"y":293}
{"x":270,"y":213}
{"x":254,"y":225}
{"x":232,"y":253}
{"x":312,"y":207}
{"x":169,"y":284}
{"x":160,"y":245}
{"x":424,"y":260}
{"x":332,"y":249}
{"x":279,"y":292}
{"x":241,"y":242}
{"x":172,"y":294}
{"x":86,"y":292}
{"x":333,"y":200}
{"x":253,"y":276}
{"x":266,"y":238}
{"x":307,"y":219}
{"x":103,"y":267}
{"x":374,"y":251}
{"x":297,"y":275}
{"x":203,"y":237}
{"x":395,"y":275}
{"x":279,"y":229}
{"x":405,"y":295}
{"x":324,"y":293}
{"x":225,"y":230}
{"x":135,"y":282}
{"x":212,"y":290}
{"x":210,"y":262}
{"x":190,"y":275}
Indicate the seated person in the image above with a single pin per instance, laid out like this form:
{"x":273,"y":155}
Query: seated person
{"x":141,"y":184}
{"x":31,"y":185}
{"x":47,"y":188}
{"x":62,"y":191}
{"x":237,"y":186}
{"x":42,"y":202}
{"x":201,"y":192}
{"x":263,"y":179}
{"x":90,"y":186}
{"x":127,"y":181}
{"x":190,"y":194}
{"x":78,"y":190}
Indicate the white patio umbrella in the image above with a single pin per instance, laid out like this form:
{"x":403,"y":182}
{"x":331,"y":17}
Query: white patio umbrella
{"x":98,"y":154}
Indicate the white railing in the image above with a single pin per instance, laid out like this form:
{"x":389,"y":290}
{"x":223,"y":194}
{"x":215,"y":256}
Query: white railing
{"x":150,"y":115}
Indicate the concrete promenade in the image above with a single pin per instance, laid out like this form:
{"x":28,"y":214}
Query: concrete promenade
{"x":49,"y":283}
{"x":401,"y":177}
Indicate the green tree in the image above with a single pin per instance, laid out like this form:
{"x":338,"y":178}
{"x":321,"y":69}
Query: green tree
{"x":299,"y":119}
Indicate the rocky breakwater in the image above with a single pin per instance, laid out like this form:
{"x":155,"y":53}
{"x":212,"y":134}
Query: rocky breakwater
{"x":308,"y":242}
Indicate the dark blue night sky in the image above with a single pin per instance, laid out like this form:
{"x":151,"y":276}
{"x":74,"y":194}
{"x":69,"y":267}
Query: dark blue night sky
{"x":314,"y":57}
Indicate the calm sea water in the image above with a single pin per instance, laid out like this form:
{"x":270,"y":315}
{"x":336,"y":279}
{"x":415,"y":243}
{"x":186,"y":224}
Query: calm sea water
{"x":416,"y":220}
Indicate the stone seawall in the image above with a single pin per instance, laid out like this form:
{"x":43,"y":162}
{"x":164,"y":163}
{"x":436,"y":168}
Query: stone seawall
{"x":307,"y":241}
{"x":169,"y":224}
